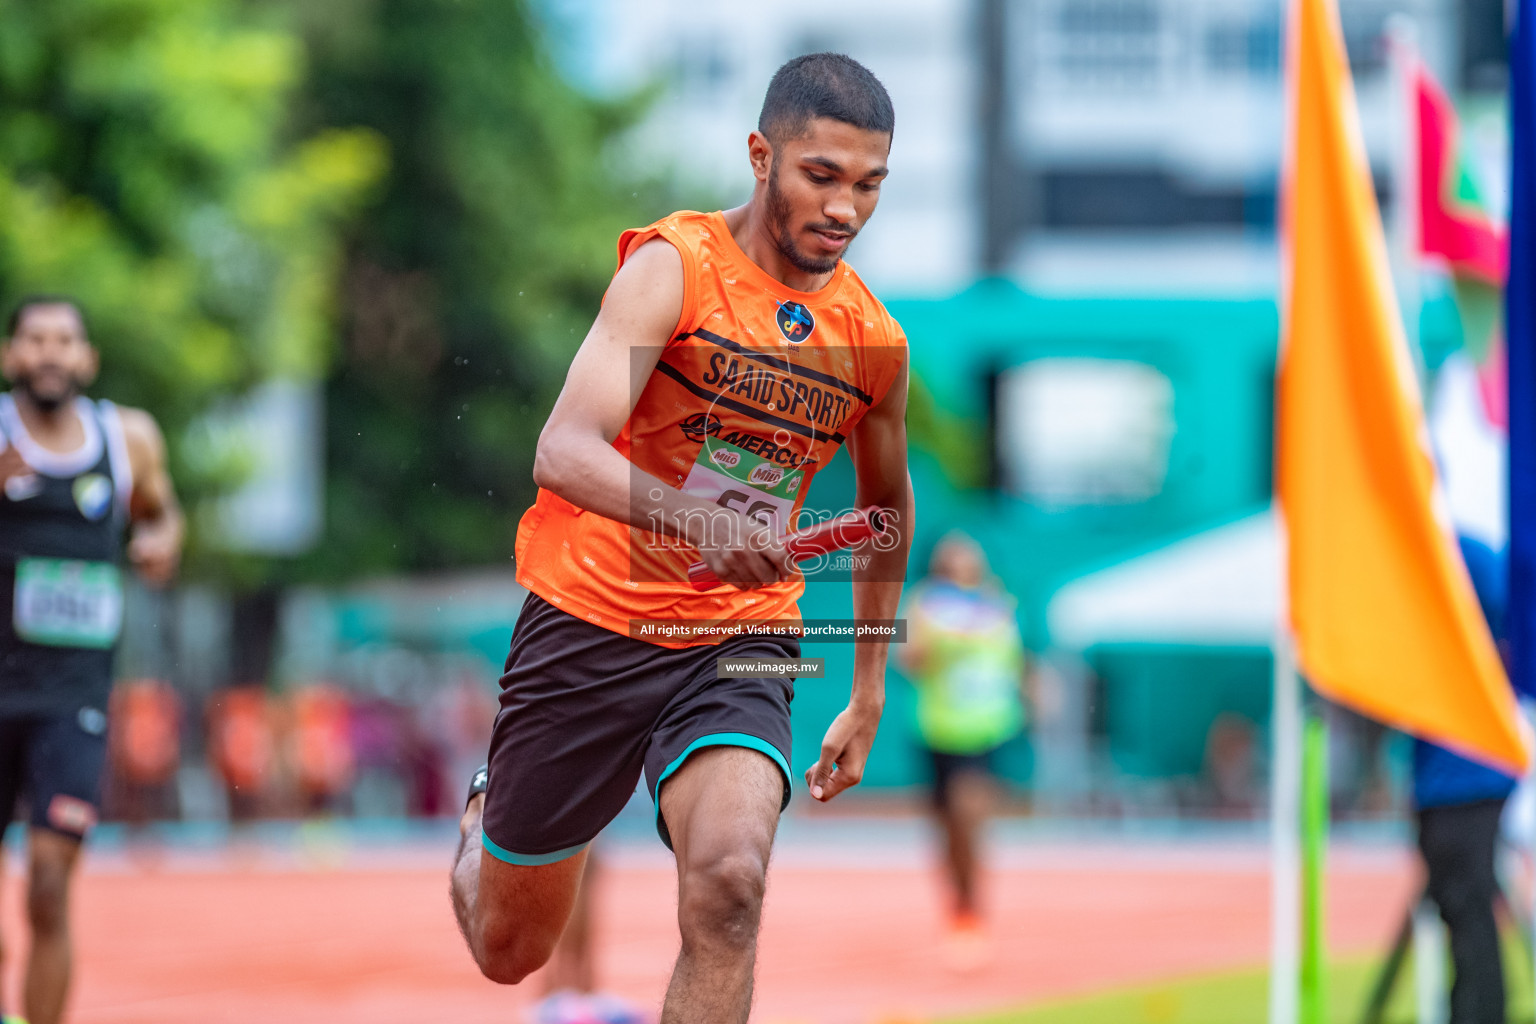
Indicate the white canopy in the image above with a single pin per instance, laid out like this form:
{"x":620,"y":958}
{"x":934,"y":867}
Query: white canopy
{"x":1220,"y":587}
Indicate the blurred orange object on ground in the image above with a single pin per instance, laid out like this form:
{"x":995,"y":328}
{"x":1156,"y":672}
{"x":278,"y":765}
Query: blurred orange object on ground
{"x":321,"y":744}
{"x":146,"y":731}
{"x":242,"y":745}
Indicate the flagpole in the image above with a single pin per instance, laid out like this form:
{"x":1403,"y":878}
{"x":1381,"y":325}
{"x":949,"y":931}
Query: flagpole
{"x":1429,"y":965}
{"x":1285,"y":717}
{"x":1285,"y":835}
{"x":1520,"y":345}
{"x":1403,"y":58}
{"x":1314,"y":847}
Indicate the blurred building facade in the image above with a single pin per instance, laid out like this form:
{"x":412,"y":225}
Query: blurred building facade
{"x":1069,"y":145}
{"x":1147,"y":136}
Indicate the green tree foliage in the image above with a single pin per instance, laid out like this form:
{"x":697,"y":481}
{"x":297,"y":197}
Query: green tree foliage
{"x":146,"y":168}
{"x":471,"y":280}
{"x":957,"y":443}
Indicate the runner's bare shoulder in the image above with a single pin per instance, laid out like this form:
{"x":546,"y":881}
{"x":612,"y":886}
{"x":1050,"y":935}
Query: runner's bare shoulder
{"x":146,"y":444}
{"x":645,"y":298}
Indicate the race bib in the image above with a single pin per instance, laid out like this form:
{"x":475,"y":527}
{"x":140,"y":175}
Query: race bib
{"x":737,"y":479}
{"x":979,"y":683}
{"x":68,"y":604}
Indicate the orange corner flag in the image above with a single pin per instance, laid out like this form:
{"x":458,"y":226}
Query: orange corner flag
{"x":1384,"y":614}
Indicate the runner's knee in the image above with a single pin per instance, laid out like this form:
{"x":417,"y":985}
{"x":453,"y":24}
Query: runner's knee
{"x":508,"y":951}
{"x":721,"y":901}
{"x":47,"y":898}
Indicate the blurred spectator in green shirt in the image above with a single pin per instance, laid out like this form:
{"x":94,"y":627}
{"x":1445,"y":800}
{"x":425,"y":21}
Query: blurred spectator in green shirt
{"x":966,"y":658}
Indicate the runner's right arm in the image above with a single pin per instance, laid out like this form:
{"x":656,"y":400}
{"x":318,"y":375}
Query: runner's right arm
{"x":576,"y":458}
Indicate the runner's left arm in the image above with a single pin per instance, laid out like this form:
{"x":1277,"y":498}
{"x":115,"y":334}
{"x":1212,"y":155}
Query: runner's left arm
{"x":878,"y":447}
{"x":154,"y":545}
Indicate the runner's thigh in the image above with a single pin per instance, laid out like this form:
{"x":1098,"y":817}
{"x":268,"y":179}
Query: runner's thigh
{"x":722,"y":804}
{"x":747,"y":715}
{"x":579,"y":704}
{"x":516,"y":903}
{"x":66,"y":757}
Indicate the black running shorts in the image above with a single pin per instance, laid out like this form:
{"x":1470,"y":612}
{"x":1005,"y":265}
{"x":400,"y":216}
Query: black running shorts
{"x":53,"y":763}
{"x":947,"y":766}
{"x":585,"y":709}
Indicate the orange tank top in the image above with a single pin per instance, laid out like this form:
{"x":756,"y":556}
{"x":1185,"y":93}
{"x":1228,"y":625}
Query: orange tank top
{"x":758,"y":387}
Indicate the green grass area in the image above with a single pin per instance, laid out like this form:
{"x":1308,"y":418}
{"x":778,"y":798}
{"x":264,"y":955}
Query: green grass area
{"x":1242,"y":997}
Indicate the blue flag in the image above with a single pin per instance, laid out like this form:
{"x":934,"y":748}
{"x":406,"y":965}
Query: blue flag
{"x":1520,"y":327}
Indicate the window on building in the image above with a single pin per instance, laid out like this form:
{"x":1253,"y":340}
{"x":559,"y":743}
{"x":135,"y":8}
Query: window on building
{"x":1244,"y":47}
{"x":1106,"y":43}
{"x":1075,"y":431}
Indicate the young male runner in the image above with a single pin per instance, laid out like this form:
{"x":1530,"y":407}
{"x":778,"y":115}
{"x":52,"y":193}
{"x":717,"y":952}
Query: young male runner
{"x":733,"y":355}
{"x":966,"y":657}
{"x":73,"y":475}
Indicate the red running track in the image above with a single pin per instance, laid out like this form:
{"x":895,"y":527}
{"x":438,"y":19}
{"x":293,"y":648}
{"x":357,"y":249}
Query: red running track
{"x":841,"y":944}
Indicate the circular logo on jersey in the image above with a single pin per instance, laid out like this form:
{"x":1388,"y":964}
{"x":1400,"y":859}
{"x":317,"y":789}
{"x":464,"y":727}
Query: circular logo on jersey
{"x":93,"y":495}
{"x":795,"y":322}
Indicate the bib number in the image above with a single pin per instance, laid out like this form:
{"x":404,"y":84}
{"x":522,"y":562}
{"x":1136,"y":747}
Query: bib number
{"x":972,"y":686}
{"x":737,"y":479}
{"x":63,"y":603}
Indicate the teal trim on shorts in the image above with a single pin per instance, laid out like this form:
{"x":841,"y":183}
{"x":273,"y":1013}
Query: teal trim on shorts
{"x":528,"y":860}
{"x":723,"y":739}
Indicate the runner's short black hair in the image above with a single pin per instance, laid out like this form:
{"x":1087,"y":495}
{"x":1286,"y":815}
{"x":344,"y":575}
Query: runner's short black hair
{"x":830,"y":85}
{"x":20,"y":310}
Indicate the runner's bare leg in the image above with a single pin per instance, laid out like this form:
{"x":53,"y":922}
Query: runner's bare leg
{"x":573,"y":967}
{"x":970,"y":804}
{"x":511,"y":915}
{"x":50,"y":873}
{"x":722,"y":809}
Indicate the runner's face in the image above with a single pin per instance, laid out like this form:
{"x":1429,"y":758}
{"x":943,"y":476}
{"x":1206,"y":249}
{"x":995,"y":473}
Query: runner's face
{"x":48,"y":358}
{"x":822,"y":188}
{"x":960,"y":562}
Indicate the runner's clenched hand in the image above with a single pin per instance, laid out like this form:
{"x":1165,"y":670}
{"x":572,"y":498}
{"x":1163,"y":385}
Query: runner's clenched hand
{"x":744,"y":552}
{"x":155,"y":551}
{"x":844,"y":752}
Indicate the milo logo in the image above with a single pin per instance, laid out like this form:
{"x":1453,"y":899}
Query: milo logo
{"x":765,"y":475}
{"x":736,"y":478}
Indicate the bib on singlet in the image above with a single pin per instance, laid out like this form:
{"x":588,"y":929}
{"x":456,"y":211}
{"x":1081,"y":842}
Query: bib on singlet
{"x":758,"y":387}
{"x":68,"y":603}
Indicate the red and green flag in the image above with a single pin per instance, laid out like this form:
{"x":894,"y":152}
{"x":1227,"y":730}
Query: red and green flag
{"x":1469,"y":408}
{"x":1453,"y":222}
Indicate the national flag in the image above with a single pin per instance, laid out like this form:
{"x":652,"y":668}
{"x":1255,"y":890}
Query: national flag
{"x":1458,"y":234}
{"x":1384,"y":615}
{"x":1453,"y":222}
